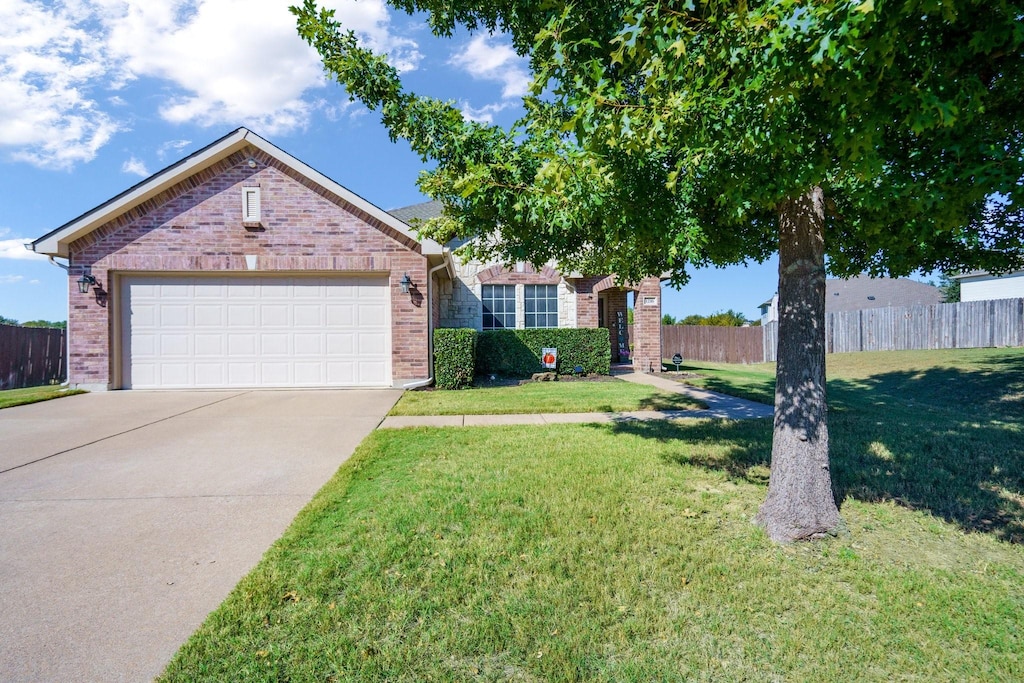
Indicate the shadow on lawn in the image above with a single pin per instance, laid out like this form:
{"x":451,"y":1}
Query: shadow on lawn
{"x":943,"y":440}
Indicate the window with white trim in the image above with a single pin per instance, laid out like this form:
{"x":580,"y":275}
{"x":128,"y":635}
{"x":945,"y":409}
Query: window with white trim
{"x":499,"y":306}
{"x":541,"y":305}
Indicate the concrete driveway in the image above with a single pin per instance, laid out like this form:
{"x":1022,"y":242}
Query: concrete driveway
{"x":125,"y":517}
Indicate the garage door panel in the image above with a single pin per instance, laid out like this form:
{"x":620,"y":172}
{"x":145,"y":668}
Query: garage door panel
{"x":274,"y":315}
{"x":340,"y":315}
{"x":275,"y":344}
{"x":241,"y":315}
{"x":276,"y":374}
{"x":308,"y":315}
{"x":209,"y":345}
{"x":175,"y":374}
{"x":242,"y":374}
{"x":209,"y":315}
{"x":243,"y":344}
{"x":174,"y":345}
{"x":308,"y":345}
{"x":343,"y":344}
{"x":369,"y":343}
{"x":175,"y":291}
{"x":209,"y":374}
{"x":253,"y":331}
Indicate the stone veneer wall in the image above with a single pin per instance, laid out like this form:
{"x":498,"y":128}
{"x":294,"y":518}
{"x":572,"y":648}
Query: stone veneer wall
{"x":460,"y":300}
{"x":196,"y":226}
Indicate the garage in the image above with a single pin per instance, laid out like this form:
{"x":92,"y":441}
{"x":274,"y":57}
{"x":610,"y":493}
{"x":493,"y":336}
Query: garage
{"x":185,"y":332}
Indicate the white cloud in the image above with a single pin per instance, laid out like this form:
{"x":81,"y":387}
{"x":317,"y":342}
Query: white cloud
{"x":219,"y":62}
{"x":489,"y":58}
{"x":10,"y":279}
{"x":34,"y":282}
{"x":47,"y":64}
{"x":175,"y":146}
{"x":484,"y":114}
{"x":15,"y":249}
{"x":135,"y":166}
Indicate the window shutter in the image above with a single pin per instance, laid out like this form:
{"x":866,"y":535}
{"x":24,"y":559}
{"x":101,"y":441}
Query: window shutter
{"x":250,"y":205}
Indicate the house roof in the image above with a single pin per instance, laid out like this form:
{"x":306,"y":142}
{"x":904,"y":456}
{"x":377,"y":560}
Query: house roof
{"x":418,"y":212}
{"x":55,"y":243}
{"x":985,"y":273}
{"x":863,"y":292}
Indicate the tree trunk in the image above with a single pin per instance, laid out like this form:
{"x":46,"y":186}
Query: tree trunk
{"x":800,"y":502}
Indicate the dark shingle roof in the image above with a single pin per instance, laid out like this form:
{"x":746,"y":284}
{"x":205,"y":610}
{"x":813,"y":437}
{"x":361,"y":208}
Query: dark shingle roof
{"x":418,"y":212}
{"x":864,"y":292}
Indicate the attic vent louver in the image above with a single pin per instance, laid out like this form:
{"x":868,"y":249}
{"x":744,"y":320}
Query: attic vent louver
{"x":250,"y":205}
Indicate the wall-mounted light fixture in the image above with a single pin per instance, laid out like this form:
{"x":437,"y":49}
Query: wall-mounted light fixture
{"x":405,"y":283}
{"x":85,"y":282}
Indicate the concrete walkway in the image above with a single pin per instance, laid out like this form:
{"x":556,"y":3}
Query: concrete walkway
{"x":718,"y":406}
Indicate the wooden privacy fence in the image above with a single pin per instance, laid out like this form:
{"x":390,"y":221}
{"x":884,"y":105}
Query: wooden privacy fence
{"x":31,"y":356}
{"x":713,"y":344}
{"x":965,"y":325}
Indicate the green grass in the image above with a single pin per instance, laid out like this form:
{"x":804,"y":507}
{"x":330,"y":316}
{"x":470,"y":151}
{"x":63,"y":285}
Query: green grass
{"x":626,"y":552}
{"x":19,"y":397}
{"x":543,"y":397}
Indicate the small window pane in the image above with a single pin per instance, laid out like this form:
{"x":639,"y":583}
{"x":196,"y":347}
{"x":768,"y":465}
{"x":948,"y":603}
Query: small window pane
{"x":499,"y":304}
{"x":541,"y":305}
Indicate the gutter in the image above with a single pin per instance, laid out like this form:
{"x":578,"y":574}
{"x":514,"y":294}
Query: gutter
{"x":430,"y":325}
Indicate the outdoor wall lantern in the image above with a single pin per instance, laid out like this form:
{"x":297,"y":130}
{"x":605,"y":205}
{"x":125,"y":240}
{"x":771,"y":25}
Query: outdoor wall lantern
{"x":85,"y":282}
{"x":405,"y":283}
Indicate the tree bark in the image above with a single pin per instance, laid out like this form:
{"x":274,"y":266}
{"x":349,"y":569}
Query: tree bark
{"x":800,"y":502}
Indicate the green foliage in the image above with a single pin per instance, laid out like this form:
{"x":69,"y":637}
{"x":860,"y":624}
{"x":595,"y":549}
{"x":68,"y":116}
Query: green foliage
{"x":7,"y":321}
{"x":728,"y":318}
{"x":516,"y":353}
{"x":668,"y":319}
{"x":950,"y":289}
{"x":455,"y":353}
{"x":62,"y":324}
{"x":659,"y":136}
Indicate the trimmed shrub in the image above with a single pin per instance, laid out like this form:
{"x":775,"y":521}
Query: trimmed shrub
{"x":454,"y":357}
{"x":516,"y":353}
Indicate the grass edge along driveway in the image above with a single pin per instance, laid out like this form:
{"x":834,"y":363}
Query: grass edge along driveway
{"x":611,"y":396}
{"x":19,"y":397}
{"x":626,"y":553}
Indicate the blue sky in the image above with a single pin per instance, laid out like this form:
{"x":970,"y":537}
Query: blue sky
{"x":96,"y":95}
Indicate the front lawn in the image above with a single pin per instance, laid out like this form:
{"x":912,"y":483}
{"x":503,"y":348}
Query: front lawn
{"x":609,"y":553}
{"x":626,"y":552}
{"x":19,"y":397}
{"x":543,"y":397}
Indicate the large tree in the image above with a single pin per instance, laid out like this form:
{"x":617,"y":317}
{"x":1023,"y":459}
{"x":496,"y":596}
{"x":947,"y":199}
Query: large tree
{"x":879,"y":137}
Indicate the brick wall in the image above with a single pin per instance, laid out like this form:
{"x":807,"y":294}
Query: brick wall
{"x":196,"y":226}
{"x":647,"y":326}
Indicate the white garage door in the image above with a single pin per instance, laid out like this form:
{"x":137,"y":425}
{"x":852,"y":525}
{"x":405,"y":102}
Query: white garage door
{"x":192,"y":332}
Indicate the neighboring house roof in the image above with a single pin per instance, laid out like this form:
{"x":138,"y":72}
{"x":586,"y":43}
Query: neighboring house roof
{"x":418,"y":212}
{"x":55,"y":243}
{"x":985,"y":273}
{"x":865,"y":292}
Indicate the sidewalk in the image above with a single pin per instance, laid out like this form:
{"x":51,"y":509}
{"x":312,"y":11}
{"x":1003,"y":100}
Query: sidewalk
{"x":718,"y":406}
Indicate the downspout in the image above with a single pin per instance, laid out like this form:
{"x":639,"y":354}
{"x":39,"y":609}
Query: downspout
{"x":66,"y":269}
{"x":430,"y":328}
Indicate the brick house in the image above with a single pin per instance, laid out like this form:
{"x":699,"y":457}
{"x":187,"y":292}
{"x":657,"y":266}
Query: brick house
{"x":240,"y":266}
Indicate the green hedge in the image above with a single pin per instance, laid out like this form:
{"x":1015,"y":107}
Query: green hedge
{"x":516,"y":353}
{"x":454,"y":358}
